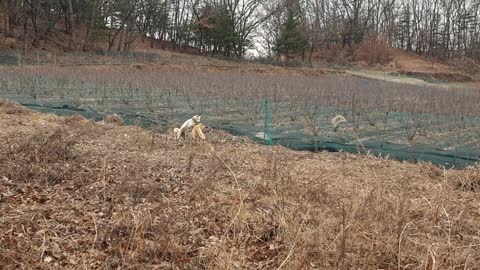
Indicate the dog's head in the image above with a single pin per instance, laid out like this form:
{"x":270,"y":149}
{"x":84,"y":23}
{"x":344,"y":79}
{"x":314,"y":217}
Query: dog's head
{"x":196,"y":118}
{"x":205,"y":129}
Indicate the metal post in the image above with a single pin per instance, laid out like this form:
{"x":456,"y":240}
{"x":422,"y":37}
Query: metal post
{"x":267,"y":134}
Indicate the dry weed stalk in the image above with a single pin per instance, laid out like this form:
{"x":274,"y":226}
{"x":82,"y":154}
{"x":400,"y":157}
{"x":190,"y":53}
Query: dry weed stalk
{"x":292,"y":248}
{"x":240,"y":196}
{"x":431,"y":262}
{"x":96,"y":233}
{"x":340,"y":119}
{"x":399,"y":254}
{"x":104,"y":177}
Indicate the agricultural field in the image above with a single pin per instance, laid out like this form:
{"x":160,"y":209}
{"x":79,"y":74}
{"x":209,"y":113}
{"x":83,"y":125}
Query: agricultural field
{"x":334,"y":134}
{"x":431,"y":122}
{"x":80,"y":191}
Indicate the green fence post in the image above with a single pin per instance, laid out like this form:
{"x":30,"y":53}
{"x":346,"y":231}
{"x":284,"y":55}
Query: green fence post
{"x":267,"y":134}
{"x":19,"y":57}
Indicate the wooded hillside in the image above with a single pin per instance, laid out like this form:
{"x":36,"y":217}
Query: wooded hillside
{"x":439,"y":28}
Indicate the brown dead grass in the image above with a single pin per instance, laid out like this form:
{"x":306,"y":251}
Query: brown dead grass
{"x":78,"y":195}
{"x":7,"y":107}
{"x":448,"y":77}
{"x":7,"y":43}
{"x":114,"y":119}
{"x":373,"y":50}
{"x":413,"y":65}
{"x":431,"y":68}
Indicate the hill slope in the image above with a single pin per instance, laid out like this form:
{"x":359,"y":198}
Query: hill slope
{"x":76,"y":194}
{"x":59,"y":49}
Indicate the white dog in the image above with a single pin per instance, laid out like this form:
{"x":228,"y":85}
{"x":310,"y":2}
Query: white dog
{"x":186,"y":126}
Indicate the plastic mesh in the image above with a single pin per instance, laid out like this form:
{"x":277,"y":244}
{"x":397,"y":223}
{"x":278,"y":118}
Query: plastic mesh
{"x":443,"y":139}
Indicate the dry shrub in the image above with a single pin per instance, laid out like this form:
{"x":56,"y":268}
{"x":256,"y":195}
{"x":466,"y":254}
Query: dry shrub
{"x":373,"y":50}
{"x":40,"y":157}
{"x":8,"y":42}
{"x":332,"y":54}
{"x":465,"y":64}
{"x":76,"y":121}
{"x":10,"y":107}
{"x":114,"y":119}
{"x":49,"y":146}
{"x":11,"y":42}
{"x":471,"y":181}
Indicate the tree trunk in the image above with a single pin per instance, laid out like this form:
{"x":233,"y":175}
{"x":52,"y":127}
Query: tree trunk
{"x":120,"y":42}
{"x":111,"y":42}
{"x":126,"y":43}
{"x":91,"y":25}
{"x":11,"y":17}
{"x":152,"y":39}
{"x":311,"y":54}
{"x":25,"y":37}
{"x":5,"y":26}
{"x":71,"y":21}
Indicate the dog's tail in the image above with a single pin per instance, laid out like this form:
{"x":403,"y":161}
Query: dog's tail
{"x":177,"y":133}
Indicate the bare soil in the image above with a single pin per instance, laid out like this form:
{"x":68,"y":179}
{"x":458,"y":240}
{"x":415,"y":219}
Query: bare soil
{"x":78,"y":194}
{"x":446,"y":77}
{"x":428,"y":68}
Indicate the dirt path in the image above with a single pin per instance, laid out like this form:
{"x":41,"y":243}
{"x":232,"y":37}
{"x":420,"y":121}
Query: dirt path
{"x":403,"y":79}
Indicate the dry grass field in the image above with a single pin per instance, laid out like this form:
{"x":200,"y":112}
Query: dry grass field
{"x":75,"y":194}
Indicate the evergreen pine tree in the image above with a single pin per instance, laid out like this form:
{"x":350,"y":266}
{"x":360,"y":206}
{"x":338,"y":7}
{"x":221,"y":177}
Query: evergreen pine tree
{"x":292,"y":38}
